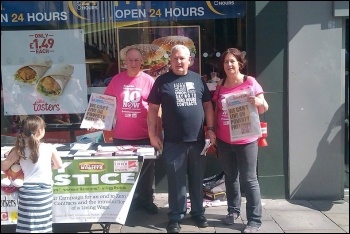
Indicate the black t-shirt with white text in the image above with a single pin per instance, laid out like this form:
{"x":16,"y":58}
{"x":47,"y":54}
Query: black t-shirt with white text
{"x":181,"y":99}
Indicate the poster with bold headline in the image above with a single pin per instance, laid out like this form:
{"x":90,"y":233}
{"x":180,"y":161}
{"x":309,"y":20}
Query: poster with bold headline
{"x":243,"y":116}
{"x":86,"y":190}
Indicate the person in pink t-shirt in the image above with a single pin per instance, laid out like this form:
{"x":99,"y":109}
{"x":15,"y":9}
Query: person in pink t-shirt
{"x":131,"y":88}
{"x":238,"y":158}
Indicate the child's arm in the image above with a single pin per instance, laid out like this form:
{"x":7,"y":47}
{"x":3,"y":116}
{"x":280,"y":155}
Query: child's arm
{"x":10,"y":160}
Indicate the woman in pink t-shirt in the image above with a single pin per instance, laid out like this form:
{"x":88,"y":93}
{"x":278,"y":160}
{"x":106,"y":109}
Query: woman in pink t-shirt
{"x":239,"y":157}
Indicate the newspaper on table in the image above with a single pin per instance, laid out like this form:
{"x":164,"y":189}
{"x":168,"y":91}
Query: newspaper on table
{"x":100,"y":112}
{"x":244,"y":118}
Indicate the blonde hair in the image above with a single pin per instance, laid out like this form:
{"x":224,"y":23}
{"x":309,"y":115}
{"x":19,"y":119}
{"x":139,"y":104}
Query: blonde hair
{"x":29,"y":128}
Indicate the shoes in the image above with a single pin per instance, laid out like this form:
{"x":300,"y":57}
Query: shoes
{"x":230,"y":218}
{"x":251,"y":229}
{"x":173,"y":227}
{"x":151,"y":208}
{"x":201,"y":221}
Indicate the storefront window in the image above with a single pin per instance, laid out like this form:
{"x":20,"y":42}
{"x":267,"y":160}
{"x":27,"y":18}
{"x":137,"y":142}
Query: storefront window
{"x":56,"y":53}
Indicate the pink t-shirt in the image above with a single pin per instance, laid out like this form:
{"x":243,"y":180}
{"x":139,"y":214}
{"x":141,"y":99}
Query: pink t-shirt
{"x":223,"y":130}
{"x":131,"y":114}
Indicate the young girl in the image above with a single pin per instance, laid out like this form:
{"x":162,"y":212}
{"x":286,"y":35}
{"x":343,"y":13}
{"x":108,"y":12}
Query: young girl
{"x":37,"y":161}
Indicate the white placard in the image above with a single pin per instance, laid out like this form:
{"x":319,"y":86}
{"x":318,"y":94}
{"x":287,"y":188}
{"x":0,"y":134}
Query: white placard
{"x":100,"y":112}
{"x":243,"y":116}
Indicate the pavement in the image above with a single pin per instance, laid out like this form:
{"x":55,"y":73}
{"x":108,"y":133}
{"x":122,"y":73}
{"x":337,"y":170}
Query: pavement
{"x":279,"y":216}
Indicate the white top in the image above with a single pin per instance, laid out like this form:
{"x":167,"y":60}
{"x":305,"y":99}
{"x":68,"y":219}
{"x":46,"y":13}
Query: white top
{"x":40,"y":172}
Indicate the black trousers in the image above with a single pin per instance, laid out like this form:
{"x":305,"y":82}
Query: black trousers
{"x":145,"y":186}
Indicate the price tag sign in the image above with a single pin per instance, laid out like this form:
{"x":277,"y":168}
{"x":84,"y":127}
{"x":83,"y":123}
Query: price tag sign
{"x":41,"y":43}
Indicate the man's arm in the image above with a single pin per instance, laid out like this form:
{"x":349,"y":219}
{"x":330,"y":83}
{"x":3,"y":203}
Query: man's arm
{"x":209,"y":116}
{"x":159,"y":129}
{"x":209,"y":113}
{"x":153,"y":122}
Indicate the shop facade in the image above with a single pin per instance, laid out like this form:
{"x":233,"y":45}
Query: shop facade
{"x":297,"y":56}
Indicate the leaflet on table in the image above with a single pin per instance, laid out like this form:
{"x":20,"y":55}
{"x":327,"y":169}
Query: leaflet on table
{"x":116,"y":148}
{"x":146,"y":150}
{"x":244,"y":118}
{"x":84,"y":152}
{"x":100,"y":112}
{"x":94,"y":137}
{"x":81,"y":146}
{"x":126,"y":150}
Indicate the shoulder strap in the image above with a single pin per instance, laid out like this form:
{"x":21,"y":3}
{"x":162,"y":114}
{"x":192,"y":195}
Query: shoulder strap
{"x":216,"y":103}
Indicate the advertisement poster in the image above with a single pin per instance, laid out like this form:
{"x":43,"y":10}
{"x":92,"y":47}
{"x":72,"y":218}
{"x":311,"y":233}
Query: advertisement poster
{"x":87,"y":190}
{"x":243,"y":116}
{"x":100,"y":112}
{"x":155,"y":44}
{"x":43,"y":72}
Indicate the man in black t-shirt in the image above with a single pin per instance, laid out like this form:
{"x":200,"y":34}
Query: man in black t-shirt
{"x":186,"y":103}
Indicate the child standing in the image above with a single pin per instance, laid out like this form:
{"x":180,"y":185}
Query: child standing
{"x":37,"y":161}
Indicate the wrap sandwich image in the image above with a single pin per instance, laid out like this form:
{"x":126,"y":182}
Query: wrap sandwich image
{"x":55,"y":80}
{"x":32,"y":72}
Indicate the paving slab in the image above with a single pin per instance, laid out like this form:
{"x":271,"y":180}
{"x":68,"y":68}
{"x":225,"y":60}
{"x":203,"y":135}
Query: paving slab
{"x":291,"y":220}
{"x":279,"y":216}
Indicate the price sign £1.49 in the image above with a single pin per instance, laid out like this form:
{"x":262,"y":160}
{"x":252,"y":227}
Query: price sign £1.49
{"x":41,"y":43}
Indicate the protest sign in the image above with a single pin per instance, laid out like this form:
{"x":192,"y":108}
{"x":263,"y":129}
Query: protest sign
{"x":100,"y":112}
{"x":243,"y":116}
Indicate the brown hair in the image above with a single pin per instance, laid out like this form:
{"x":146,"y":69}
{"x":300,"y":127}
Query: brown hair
{"x":30,"y":126}
{"x":239,"y":55}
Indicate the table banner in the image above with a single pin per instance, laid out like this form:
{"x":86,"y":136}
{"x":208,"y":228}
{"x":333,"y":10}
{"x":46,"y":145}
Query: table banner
{"x":87,"y":189}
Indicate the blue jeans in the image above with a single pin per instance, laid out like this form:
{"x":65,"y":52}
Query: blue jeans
{"x":240,"y":162}
{"x":183,"y":160}
{"x":145,"y":187}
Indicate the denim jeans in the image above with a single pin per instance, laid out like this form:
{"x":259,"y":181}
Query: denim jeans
{"x":145,"y":187}
{"x":239,"y":162}
{"x":183,"y":160}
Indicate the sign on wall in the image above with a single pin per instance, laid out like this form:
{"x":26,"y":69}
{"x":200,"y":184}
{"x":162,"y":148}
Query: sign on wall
{"x":43,"y":72}
{"x":71,"y":12}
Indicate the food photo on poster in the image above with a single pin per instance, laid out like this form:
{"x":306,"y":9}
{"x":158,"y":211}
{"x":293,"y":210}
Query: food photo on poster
{"x":30,"y":73}
{"x":155,"y":44}
{"x":155,"y":61}
{"x":54,"y":81}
